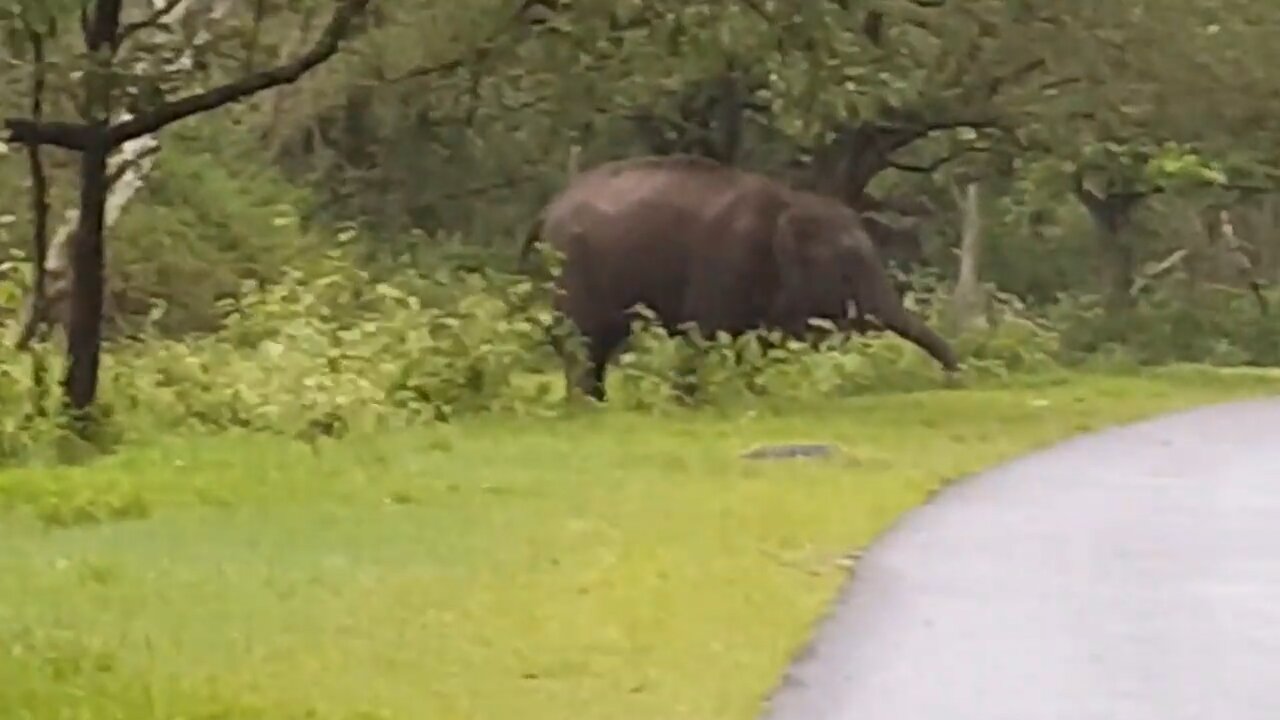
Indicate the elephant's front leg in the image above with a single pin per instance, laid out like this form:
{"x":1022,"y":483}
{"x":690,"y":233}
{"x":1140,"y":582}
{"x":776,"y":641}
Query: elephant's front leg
{"x":586,"y":360}
{"x":691,"y":350}
{"x":685,"y":382}
{"x":751,"y":354}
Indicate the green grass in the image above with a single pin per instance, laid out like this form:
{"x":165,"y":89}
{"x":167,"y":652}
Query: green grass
{"x":606,"y":566}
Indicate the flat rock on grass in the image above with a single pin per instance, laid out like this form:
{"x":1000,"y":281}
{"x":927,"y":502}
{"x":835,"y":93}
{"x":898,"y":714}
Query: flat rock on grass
{"x":791,"y":451}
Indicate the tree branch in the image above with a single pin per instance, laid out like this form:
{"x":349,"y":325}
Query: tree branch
{"x":1118,"y":203}
{"x":170,"y":112}
{"x":481,"y":50}
{"x":124,"y":167}
{"x":507,"y":183}
{"x":66,"y":135}
{"x":895,"y":136}
{"x":1059,"y":83}
{"x":1019,"y":73}
{"x":929,"y":168}
{"x":437,"y":69}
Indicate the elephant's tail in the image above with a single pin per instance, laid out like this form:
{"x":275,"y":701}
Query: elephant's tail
{"x":531,"y":240}
{"x":553,"y":328}
{"x":525,"y":265}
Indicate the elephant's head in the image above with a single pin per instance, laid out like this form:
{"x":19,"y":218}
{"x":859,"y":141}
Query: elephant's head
{"x":897,"y":243}
{"x":899,"y":246}
{"x":828,"y":268}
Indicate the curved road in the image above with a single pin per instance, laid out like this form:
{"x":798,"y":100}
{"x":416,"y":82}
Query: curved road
{"x":1132,"y":574}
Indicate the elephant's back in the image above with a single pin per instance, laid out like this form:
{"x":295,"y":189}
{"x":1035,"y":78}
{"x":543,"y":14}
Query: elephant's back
{"x":656,"y":230}
{"x":650,"y":202}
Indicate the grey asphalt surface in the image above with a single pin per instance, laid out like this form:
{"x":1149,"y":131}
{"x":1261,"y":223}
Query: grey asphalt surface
{"x":1132,"y":574}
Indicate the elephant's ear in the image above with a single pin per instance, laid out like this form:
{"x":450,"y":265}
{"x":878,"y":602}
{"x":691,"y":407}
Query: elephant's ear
{"x":788,"y":252}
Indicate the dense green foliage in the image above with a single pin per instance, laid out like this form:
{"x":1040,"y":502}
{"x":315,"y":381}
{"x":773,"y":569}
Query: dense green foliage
{"x":337,"y":349}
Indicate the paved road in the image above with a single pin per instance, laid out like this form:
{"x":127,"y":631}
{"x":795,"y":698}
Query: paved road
{"x":1128,"y":575}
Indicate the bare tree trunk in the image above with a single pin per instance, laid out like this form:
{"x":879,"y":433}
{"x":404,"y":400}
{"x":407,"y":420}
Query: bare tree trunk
{"x":39,"y":210}
{"x":968,"y":299}
{"x":1239,"y":258}
{"x":1258,"y":221}
{"x":84,"y":329}
{"x":1111,"y":214}
{"x":709,"y":119}
{"x":276,"y":138}
{"x":87,"y":256}
{"x":1118,"y":261}
{"x":1265,"y":237}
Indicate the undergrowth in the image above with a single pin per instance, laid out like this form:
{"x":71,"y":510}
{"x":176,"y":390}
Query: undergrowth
{"x":340,"y":349}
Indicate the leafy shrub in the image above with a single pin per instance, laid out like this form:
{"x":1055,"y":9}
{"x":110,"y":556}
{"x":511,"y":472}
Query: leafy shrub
{"x":331,"y":354}
{"x":339,"y":350}
{"x":1171,"y":323}
{"x":336,"y":349}
{"x":211,"y":215}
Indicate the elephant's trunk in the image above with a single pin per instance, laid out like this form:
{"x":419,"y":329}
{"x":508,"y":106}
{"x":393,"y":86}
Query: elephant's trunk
{"x":914,"y":329}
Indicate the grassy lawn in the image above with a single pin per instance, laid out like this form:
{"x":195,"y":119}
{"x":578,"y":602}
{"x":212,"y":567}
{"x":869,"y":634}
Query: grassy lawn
{"x":607,"y":566}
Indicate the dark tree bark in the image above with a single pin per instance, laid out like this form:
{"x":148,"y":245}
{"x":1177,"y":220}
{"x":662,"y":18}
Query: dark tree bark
{"x":709,"y":119}
{"x":1111,"y":215}
{"x":37,"y":309}
{"x":84,"y":331}
{"x":845,"y":167}
{"x":84,"y":326}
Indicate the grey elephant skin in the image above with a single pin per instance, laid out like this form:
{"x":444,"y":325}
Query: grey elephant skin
{"x":706,"y":245}
{"x":1127,"y":575}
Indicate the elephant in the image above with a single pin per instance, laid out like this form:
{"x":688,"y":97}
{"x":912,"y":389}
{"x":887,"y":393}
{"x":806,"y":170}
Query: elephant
{"x":709,"y":246}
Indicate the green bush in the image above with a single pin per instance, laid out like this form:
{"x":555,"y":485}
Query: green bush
{"x":331,"y":348}
{"x":1171,"y":324}
{"x":338,"y":350}
{"x":211,"y":215}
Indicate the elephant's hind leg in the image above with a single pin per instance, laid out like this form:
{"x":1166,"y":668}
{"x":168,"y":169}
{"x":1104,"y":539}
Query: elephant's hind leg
{"x":586,"y":371}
